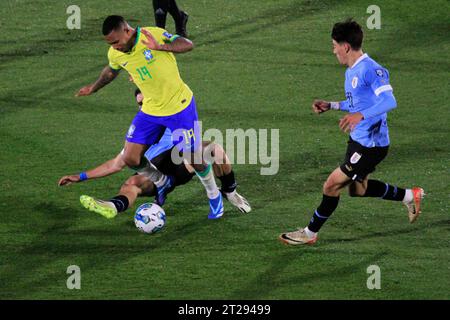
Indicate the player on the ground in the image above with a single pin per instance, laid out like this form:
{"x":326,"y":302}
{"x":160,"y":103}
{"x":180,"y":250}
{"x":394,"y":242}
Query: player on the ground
{"x":159,"y":155}
{"x":139,"y":185}
{"x":147,"y":55}
{"x":369,"y":98}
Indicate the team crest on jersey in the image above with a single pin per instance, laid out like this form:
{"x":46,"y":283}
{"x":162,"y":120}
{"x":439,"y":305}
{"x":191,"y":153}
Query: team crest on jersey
{"x":131,"y":131}
{"x":355,"y":158}
{"x":148,"y":54}
{"x":379,"y":72}
{"x":354,"y":82}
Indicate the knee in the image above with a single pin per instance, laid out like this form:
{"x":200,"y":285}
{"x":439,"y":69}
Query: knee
{"x":329,"y":188}
{"x":356,"y":191}
{"x":128,"y":188}
{"x":130,"y":161}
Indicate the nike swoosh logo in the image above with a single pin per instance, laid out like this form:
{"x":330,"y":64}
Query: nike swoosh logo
{"x":124,"y":64}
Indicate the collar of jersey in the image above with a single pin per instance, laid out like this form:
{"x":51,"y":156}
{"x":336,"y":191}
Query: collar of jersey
{"x":136,"y":41}
{"x":359,"y":60}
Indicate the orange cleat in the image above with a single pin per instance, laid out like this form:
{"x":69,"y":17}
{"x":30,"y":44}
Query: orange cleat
{"x":414,"y":205}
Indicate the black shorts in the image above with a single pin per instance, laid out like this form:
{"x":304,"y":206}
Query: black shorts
{"x":165,"y":164}
{"x":360,"y":161}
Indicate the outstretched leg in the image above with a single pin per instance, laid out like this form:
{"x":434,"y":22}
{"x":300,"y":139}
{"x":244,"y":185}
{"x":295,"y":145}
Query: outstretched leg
{"x":336,"y":181}
{"x":134,"y":187}
{"x":411,"y":198}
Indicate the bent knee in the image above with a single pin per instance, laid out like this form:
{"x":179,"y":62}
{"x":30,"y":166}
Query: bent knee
{"x":355,"y":193}
{"x":131,"y":162}
{"x":329,"y":187}
{"x":357,"y":189}
{"x":130,"y":188}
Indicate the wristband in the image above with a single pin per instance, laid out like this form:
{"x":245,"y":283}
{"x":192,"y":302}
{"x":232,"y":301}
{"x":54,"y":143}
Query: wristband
{"x":83,"y":176}
{"x":334,"y":106}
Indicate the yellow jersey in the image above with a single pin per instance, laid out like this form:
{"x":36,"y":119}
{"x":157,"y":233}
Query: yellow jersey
{"x":155,"y":73}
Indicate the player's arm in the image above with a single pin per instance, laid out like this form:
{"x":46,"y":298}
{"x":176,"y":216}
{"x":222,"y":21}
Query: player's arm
{"x":378,"y":80}
{"x":320,"y":106}
{"x":105,"y":169}
{"x":385,"y":104}
{"x":176,"y":44}
{"x":107,"y":75}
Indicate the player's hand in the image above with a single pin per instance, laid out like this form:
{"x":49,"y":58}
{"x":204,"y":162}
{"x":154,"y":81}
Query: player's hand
{"x":320,"y":106}
{"x":67,"y":180}
{"x":85,"y":91}
{"x":349,"y":122}
{"x":150,"y":42}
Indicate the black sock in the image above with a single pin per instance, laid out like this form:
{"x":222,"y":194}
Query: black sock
{"x":160,"y":8}
{"x":228,"y":182}
{"x":383,"y":190}
{"x":173,"y":9}
{"x":323,"y":212}
{"x":161,"y":4}
{"x":121,"y":202}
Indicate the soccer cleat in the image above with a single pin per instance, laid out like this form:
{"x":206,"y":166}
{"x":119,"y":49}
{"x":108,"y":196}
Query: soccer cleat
{"x":414,"y":205}
{"x":297,"y":237}
{"x":215,"y":207}
{"x":180,"y":24}
{"x":105,"y":208}
{"x":238,"y":201}
{"x":164,"y":190}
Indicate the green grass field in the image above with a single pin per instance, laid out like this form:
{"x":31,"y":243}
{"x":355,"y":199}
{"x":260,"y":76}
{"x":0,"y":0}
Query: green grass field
{"x":257,"y":65}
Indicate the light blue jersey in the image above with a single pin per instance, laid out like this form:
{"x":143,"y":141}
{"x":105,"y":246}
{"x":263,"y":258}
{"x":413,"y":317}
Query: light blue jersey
{"x":368,"y":91}
{"x":164,"y":144}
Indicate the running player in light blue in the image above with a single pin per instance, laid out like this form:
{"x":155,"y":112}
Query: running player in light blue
{"x":369,"y":97}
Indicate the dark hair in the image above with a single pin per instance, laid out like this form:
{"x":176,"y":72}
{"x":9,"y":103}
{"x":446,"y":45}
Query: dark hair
{"x":137,"y":92}
{"x":348,"y":31}
{"x":112,"y":23}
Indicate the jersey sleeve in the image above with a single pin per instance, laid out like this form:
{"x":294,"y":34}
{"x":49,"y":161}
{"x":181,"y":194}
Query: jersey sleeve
{"x":162,"y":36}
{"x":344,"y":105}
{"x":112,"y":63}
{"x":378,"y":80}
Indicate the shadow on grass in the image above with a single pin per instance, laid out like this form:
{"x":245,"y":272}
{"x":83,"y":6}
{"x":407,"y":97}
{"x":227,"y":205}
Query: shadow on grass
{"x":30,"y":268}
{"x":275,"y":275}
{"x":391,"y":232}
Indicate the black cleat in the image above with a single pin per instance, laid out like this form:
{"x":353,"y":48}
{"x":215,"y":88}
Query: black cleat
{"x":180,"y":25}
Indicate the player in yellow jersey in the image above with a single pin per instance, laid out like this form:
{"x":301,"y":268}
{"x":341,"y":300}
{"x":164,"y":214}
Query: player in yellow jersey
{"x":147,"y":54}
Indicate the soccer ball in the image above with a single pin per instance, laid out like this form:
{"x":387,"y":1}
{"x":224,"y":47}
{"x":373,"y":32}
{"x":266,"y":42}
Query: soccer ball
{"x":150,"y":218}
